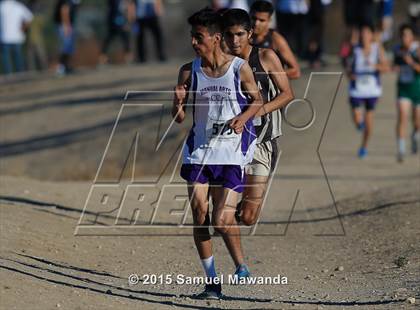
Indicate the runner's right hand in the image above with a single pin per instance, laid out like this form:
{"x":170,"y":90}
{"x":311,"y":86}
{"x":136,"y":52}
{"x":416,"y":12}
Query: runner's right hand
{"x":180,"y":94}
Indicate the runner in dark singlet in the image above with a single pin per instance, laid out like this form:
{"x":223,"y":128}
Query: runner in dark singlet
{"x":270,"y":77}
{"x":263,"y":36}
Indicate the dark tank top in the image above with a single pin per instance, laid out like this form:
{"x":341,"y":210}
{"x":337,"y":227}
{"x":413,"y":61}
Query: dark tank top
{"x":267,"y":42}
{"x":263,"y":125}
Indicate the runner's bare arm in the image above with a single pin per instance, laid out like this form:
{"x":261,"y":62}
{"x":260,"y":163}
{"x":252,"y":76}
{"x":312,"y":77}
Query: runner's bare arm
{"x":383,"y":65}
{"x":159,"y":7}
{"x":349,"y":67}
{"x":180,"y":93}
{"x":395,"y":66}
{"x":410,"y":61}
{"x":250,"y":88}
{"x":131,"y":12}
{"x":281,"y":46}
{"x":272,"y":65}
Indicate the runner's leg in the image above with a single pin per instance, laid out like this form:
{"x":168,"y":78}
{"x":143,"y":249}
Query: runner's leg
{"x":252,"y":198}
{"x":197,"y":193}
{"x":403,"y":109}
{"x":224,"y":222}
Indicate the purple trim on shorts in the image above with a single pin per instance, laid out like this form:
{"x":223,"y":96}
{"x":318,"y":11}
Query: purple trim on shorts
{"x":369,"y":103}
{"x":228,"y":176}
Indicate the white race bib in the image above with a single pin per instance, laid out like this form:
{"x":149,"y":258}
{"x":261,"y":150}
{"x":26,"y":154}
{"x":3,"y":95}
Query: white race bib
{"x":219,"y":131}
{"x":257,"y":121}
{"x":366,"y":83}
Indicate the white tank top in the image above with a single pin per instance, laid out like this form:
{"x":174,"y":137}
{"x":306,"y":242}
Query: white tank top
{"x":367,"y":83}
{"x":215,"y":101}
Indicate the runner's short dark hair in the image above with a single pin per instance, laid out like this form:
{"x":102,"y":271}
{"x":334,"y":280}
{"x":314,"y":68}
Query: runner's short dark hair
{"x":236,"y":17}
{"x":207,"y":18}
{"x":370,"y":26}
{"x":262,"y":6}
{"x":404,"y":27}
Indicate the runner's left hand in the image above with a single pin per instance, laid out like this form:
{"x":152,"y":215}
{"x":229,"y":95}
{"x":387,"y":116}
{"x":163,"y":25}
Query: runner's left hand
{"x":237,"y":124}
{"x":409,"y":60}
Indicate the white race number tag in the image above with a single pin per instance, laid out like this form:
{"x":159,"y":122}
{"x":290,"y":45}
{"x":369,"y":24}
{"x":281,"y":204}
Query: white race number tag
{"x":366,"y":83}
{"x":219,"y":130}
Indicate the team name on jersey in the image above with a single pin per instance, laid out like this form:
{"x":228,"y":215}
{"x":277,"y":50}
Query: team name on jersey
{"x":215,"y":88}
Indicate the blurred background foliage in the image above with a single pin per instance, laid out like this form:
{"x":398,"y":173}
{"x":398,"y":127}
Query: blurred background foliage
{"x":91,"y":29}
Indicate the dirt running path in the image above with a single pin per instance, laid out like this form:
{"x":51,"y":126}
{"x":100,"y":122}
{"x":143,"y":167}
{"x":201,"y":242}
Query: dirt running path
{"x":361,"y":252}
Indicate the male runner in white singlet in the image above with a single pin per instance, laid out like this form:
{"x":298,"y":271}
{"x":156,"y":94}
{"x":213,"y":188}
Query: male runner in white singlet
{"x":221,"y":141}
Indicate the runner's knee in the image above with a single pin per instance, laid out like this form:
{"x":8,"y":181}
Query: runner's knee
{"x":200,"y":215}
{"x":249,"y":217}
{"x":220,"y":224}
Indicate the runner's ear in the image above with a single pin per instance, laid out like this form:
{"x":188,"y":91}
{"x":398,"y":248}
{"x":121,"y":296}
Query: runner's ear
{"x":218,"y":37}
{"x":250,"y":34}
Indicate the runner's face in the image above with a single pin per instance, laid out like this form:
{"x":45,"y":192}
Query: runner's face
{"x":260,"y":22}
{"x":202,"y":41}
{"x":237,"y":39}
{"x":367,"y":35}
{"x":407,"y":38}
